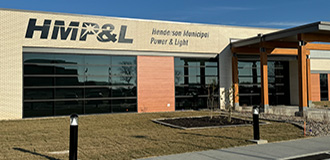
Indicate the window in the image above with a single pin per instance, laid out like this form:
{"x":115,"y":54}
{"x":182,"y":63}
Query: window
{"x":61,"y":84}
{"x":192,"y":79}
{"x":249,"y":79}
{"x":324,"y":87}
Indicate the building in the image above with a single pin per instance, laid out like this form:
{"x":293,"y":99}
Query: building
{"x":56,"y":64}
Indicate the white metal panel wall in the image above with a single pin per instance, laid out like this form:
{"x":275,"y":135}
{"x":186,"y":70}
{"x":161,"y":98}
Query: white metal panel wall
{"x":320,"y":61}
{"x":294,"y":96}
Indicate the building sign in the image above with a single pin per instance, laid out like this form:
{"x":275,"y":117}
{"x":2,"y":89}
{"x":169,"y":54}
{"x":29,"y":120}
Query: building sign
{"x":176,"y":37}
{"x":105,"y":33}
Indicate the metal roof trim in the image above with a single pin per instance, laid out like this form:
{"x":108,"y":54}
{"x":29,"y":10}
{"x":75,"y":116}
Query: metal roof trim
{"x":312,"y":27}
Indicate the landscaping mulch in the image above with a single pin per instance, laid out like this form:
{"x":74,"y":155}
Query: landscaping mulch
{"x":192,"y":122}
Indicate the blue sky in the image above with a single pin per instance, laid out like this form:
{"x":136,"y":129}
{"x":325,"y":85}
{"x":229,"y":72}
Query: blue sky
{"x":254,"y":13}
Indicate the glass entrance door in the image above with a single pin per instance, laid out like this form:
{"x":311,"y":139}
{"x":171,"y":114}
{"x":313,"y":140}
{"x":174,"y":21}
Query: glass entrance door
{"x":250,"y":83}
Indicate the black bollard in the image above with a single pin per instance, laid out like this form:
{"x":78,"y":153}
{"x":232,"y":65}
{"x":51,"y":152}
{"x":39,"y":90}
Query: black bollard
{"x":73,"y":137}
{"x":256,"y":133}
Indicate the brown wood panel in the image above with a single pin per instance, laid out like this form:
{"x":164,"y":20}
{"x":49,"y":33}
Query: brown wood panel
{"x":313,"y":46}
{"x":235,"y":78}
{"x":155,"y":78}
{"x":302,"y":76}
{"x":314,"y":37}
{"x":308,"y":67}
{"x":264,"y":79}
{"x":315,"y":87}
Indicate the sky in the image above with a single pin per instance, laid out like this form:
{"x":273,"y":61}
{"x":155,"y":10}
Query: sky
{"x":252,"y":13}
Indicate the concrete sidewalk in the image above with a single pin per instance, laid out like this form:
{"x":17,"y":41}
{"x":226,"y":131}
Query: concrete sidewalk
{"x":278,"y":150}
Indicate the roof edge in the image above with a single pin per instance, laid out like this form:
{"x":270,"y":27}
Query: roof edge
{"x":284,"y":33}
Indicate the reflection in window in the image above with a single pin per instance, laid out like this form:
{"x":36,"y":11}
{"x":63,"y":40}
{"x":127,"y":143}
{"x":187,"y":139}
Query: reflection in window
{"x":69,"y":107}
{"x":123,"y":91}
{"x":31,"y":94}
{"x":37,"y":109}
{"x":97,"y":80}
{"x":324,"y":87}
{"x":98,"y":70}
{"x":194,"y":71}
{"x":39,"y":58}
{"x":127,"y":105}
{"x":249,"y":80}
{"x":123,"y":80}
{"x":69,"y":93}
{"x":97,"y":60}
{"x":123,"y":70}
{"x":123,"y":60}
{"x":38,"y":81}
{"x":69,"y":81}
{"x":192,"y":79}
{"x":69,"y":70}
{"x":211,"y":71}
{"x":97,"y":106}
{"x":83,"y":84}
{"x":69,"y":59}
{"x":97,"y":92}
{"x":39,"y":69}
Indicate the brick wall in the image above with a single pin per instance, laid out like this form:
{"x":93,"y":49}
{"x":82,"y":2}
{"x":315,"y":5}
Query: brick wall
{"x":155,"y":84}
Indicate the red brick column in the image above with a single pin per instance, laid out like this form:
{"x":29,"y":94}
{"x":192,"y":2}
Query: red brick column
{"x":155,"y":84}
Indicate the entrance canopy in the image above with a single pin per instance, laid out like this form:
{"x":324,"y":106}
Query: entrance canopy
{"x":295,"y":41}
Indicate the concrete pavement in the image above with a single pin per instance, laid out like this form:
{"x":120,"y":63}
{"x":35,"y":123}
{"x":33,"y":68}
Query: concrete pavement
{"x":278,"y":150}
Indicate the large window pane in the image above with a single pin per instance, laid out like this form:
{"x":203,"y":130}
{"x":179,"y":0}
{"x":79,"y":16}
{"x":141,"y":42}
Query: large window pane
{"x":31,"y":94}
{"x":37,"y":109}
{"x":38,"y":81}
{"x":125,"y":105}
{"x":97,"y":80}
{"x":123,"y":80}
{"x":37,"y":69}
{"x":69,"y":93}
{"x":124,"y":91}
{"x":97,"y":106}
{"x":179,"y":80}
{"x":191,"y":103}
{"x":68,"y":107}
{"x":97,"y":60}
{"x":103,"y":92}
{"x":211,"y":71}
{"x":98,"y":70}
{"x":179,"y":71}
{"x":194,"y":90}
{"x":250,"y":82}
{"x":69,"y":59}
{"x":192,"y":80}
{"x":179,"y":62}
{"x":69,"y":81}
{"x":69,"y":70}
{"x":210,"y":80}
{"x":123,"y":60}
{"x":38,"y":58}
{"x":193,"y":64}
{"x":80,"y":84}
{"x":123,"y":70}
{"x":194,"y":71}
{"x":215,"y":64}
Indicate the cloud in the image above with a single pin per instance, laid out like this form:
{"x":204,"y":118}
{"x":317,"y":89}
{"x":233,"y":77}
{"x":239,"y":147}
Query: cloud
{"x":280,"y":24}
